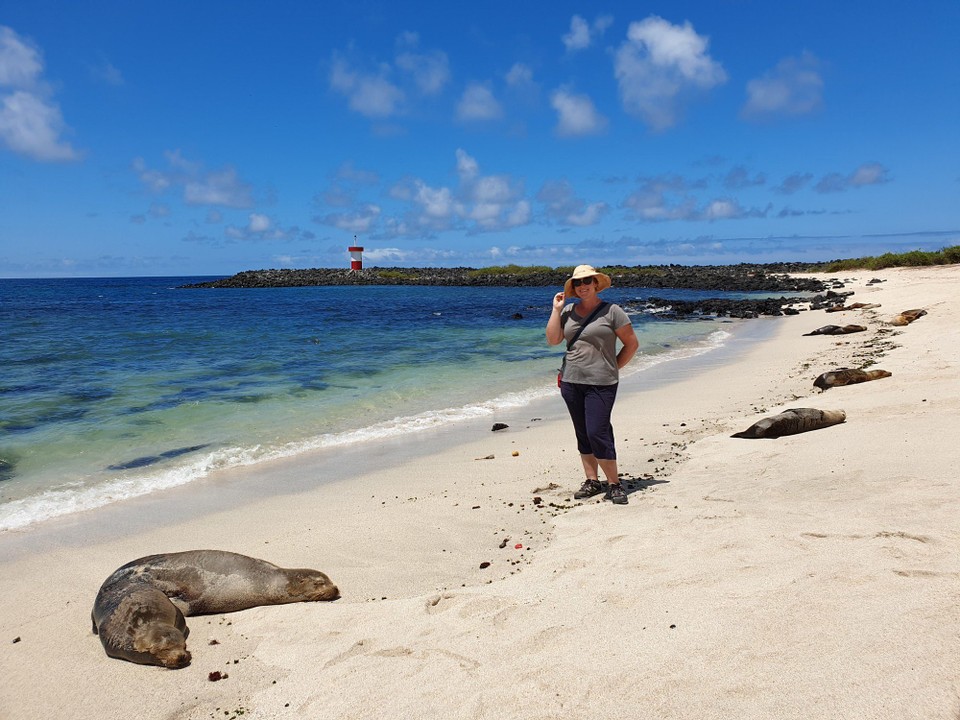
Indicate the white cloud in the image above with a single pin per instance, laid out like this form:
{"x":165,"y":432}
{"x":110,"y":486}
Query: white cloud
{"x":565,"y":207}
{"x":792,"y":183}
{"x":579,"y":36}
{"x":519,"y":215}
{"x":668,"y":197}
{"x":478,"y":103}
{"x":467,"y":167}
{"x":108,"y":73}
{"x":31,"y":123}
{"x":519,"y":76}
{"x":362,"y":220}
{"x":349,"y":173}
{"x":258,"y":223}
{"x":430,"y":71}
{"x":436,"y":203}
{"x":416,"y":256}
{"x":20,"y":63}
{"x":793,"y":87}
{"x":739,"y":178}
{"x":382,"y":92}
{"x":480,"y":203}
{"x":867,"y":174}
{"x":658,"y":65}
{"x":577,"y":115}
{"x":582,"y":34}
{"x":222,"y":188}
{"x":31,"y":126}
{"x":261,"y":228}
{"x":159,"y":210}
{"x":371,"y":95}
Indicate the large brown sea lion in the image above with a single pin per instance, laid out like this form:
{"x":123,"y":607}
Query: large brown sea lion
{"x":791,"y":422}
{"x":139,"y":610}
{"x":848,"y":376}
{"x":855,"y":306}
{"x":907,"y":317}
{"x":836,"y":330}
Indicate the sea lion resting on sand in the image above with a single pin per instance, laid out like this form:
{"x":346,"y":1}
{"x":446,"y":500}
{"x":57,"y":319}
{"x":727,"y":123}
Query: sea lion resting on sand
{"x":848,"y":376}
{"x":791,"y":422}
{"x":855,"y":306}
{"x":836,"y":330}
{"x":907,"y":317}
{"x":139,"y":609}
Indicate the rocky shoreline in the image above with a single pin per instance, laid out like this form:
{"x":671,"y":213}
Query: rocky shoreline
{"x":722,"y":278}
{"x":743,"y":277}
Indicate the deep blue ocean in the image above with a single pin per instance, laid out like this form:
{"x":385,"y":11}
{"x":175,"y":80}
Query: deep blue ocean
{"x":114,"y":388}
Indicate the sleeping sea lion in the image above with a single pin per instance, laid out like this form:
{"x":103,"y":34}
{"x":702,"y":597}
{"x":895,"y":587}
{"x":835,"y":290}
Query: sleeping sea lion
{"x":907,"y":317}
{"x":791,"y":422}
{"x":848,"y":376}
{"x":139,"y":611}
{"x":855,"y":306}
{"x":836,"y":330}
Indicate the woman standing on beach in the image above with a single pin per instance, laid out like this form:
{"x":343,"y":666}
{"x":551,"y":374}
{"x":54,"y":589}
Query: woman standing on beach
{"x":591,"y":372}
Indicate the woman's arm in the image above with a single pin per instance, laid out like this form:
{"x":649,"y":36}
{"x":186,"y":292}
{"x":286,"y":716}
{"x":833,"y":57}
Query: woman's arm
{"x":554,"y":329}
{"x":630,"y":345}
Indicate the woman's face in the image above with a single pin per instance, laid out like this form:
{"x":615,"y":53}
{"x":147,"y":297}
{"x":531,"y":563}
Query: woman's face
{"x":586,"y":288}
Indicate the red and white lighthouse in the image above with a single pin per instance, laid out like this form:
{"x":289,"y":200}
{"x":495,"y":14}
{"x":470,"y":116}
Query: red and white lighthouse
{"x":356,"y":257}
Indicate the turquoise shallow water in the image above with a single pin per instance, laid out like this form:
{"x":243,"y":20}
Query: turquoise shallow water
{"x":114,"y":388}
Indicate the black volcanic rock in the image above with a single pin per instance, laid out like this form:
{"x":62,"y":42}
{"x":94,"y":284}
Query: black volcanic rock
{"x":717,"y":307}
{"x":743,"y":277}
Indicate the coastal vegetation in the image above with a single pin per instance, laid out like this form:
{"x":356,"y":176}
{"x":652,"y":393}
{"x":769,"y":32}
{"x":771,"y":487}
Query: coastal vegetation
{"x":913,"y":258}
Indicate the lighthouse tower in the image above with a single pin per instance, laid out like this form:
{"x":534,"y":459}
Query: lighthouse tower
{"x":356,"y":257}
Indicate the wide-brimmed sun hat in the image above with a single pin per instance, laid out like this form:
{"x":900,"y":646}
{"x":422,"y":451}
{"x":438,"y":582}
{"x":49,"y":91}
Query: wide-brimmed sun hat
{"x":580,"y":272}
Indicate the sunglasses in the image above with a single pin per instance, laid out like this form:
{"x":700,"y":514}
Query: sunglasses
{"x":586,"y":281}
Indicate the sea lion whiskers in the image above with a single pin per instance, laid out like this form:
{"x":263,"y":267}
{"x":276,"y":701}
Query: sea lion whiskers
{"x":165,"y":643}
{"x":311,"y":585}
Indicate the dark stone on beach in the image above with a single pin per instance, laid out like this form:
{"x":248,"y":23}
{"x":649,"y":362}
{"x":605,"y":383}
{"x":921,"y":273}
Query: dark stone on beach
{"x":772,"y":277}
{"x":829,"y":300}
{"x":499,"y":426}
{"x":16,"y":640}
{"x":484,"y":565}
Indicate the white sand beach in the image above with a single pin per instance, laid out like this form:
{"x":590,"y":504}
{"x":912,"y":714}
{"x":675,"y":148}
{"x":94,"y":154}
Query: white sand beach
{"x":810,"y":576}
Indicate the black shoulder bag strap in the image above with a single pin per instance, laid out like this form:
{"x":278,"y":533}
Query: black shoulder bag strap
{"x":586,"y":322}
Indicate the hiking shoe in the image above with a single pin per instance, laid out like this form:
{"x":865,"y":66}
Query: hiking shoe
{"x":588,"y":489}
{"x":617,"y":495}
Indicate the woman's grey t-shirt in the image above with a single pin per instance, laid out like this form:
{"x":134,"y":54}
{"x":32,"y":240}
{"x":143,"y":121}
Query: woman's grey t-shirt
{"x":593,"y":358}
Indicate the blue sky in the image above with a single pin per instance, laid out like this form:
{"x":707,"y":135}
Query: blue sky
{"x":184,"y":138}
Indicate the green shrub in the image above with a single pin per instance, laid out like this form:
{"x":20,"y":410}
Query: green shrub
{"x":912,"y":258}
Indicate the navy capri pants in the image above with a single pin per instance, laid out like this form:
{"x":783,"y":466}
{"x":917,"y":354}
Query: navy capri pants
{"x":590,"y":407}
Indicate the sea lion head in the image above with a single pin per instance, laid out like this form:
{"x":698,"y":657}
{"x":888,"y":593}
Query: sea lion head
{"x":164,"y":642}
{"x":304,"y":585}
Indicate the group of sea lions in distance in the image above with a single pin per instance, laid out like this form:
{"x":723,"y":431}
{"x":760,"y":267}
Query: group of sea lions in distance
{"x":798,"y":420}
